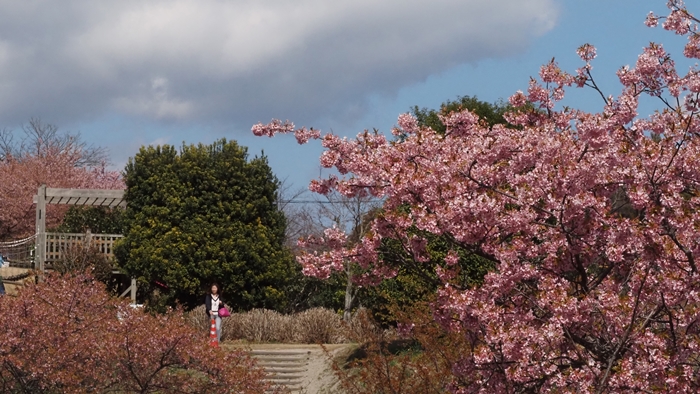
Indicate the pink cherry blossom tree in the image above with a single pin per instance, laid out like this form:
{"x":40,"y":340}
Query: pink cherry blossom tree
{"x":591,"y":220}
{"x":53,"y":159}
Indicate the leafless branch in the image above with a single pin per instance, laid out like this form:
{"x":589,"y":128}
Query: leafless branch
{"x":37,"y":137}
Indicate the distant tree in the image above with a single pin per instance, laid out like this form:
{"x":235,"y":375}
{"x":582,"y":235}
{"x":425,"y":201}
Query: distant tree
{"x":489,"y":113}
{"x":48,"y":157}
{"x":418,"y":282}
{"x":300,"y":213}
{"x":36,"y":137}
{"x":305,"y":292}
{"x":346,"y":214}
{"x":205,"y":213}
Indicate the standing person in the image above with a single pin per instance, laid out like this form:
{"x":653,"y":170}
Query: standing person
{"x":212,"y":302}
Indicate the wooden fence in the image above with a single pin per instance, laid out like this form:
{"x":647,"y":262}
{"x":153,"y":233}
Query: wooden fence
{"x":21,"y":254}
{"x":58,"y":243}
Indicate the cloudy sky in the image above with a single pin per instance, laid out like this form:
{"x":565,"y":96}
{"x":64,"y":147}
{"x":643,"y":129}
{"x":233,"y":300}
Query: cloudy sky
{"x":126,"y":73}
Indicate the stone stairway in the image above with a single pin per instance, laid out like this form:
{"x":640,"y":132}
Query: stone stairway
{"x":284,"y":368}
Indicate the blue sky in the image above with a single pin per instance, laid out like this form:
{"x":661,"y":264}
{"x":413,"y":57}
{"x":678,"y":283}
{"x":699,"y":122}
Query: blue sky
{"x":129,"y":73}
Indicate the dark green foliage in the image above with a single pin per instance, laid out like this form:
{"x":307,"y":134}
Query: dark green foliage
{"x":99,"y":220}
{"x":417,"y":282}
{"x":203,"y":214}
{"x":306,"y":292}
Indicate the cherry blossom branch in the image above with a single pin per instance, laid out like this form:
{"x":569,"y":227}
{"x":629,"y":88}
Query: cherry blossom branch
{"x":602,"y":386}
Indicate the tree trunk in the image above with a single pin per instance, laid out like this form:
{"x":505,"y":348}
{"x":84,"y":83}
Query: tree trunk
{"x":349,"y":296}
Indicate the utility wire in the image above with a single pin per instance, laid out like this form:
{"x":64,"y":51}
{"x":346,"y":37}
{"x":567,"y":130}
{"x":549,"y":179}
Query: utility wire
{"x":319,"y":201}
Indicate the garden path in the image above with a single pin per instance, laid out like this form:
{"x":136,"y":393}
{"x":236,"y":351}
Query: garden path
{"x":301,"y":368}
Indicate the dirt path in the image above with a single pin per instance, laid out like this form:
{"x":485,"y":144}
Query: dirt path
{"x":302,"y":368}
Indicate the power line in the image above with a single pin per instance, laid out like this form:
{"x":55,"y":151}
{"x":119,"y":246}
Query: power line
{"x":319,"y":202}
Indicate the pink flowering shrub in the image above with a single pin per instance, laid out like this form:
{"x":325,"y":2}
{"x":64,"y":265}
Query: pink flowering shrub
{"x":67,"y":335}
{"x":591,"y":220}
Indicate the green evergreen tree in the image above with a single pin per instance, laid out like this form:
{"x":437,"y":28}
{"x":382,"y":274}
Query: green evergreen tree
{"x":205,"y":213}
{"x":489,"y":113}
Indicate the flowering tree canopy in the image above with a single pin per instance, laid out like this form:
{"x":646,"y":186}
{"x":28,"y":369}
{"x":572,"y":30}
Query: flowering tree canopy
{"x":590,"y":219}
{"x":67,"y":335}
{"x":60,"y":165}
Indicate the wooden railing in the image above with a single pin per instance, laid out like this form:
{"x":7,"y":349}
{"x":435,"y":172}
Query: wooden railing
{"x":58,"y":243}
{"x":20,"y":254}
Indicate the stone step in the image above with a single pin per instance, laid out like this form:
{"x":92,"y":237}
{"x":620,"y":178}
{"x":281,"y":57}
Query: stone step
{"x":296,"y":355}
{"x":282,"y":359}
{"x":279,"y":362}
{"x":291,"y":389}
{"x":285,"y":370}
{"x":281,"y":365}
{"x":283,"y":377}
{"x":285,"y":383}
{"x":279,"y":353}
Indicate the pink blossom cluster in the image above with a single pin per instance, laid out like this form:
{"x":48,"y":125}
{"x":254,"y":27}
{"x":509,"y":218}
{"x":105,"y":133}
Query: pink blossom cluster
{"x":591,"y":220}
{"x":278,"y":127}
{"x":682,"y":22}
{"x":21,"y":177}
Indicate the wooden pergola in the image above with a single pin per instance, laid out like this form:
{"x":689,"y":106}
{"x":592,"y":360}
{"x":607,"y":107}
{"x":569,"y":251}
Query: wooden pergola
{"x":78,"y":197}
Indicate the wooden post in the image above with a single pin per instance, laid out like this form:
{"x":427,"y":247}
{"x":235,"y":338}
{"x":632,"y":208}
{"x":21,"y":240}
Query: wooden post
{"x":88,"y":238}
{"x":133,"y":291}
{"x":40,"y":243}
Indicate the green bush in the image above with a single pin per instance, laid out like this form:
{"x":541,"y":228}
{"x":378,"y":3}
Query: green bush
{"x":201,"y":214}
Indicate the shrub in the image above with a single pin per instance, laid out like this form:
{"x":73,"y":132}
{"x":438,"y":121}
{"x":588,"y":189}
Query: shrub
{"x":418,"y":360}
{"x":66,"y":335}
{"x":199,"y":319}
{"x":260,"y":325}
{"x":317,"y":325}
{"x":82,"y":257}
{"x":363,"y":325}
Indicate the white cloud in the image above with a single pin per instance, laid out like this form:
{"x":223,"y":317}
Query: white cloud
{"x":155,"y":103}
{"x":241,"y":60}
